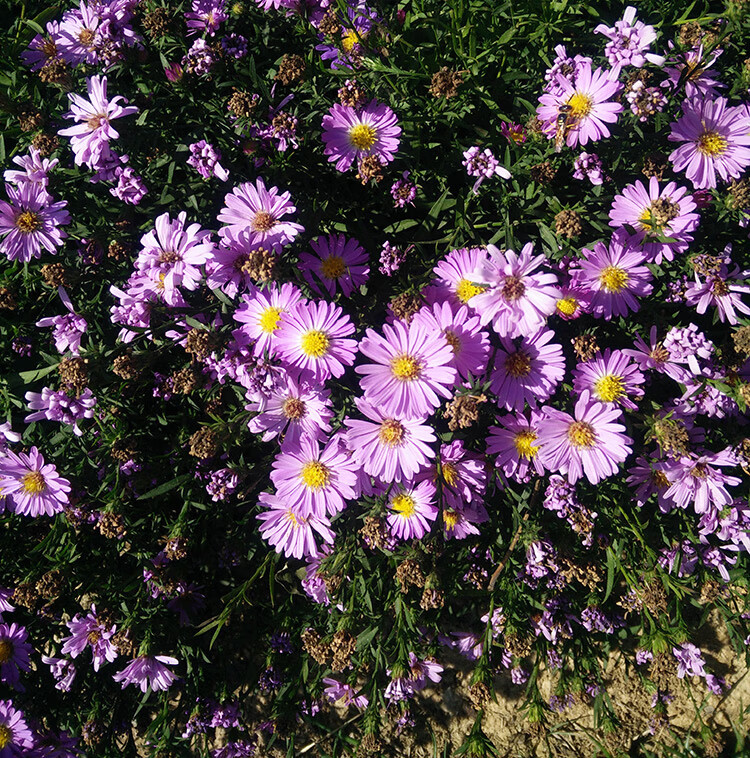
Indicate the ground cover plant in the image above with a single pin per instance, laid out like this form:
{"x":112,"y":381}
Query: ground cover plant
{"x":341,"y":340}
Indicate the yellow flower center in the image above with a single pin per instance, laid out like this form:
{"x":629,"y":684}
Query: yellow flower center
{"x":613,"y":279}
{"x":315,"y":475}
{"x":315,"y":343}
{"x":5,"y":736}
{"x":609,"y":388}
{"x":28,"y":222}
{"x":362,"y":136}
{"x":450,"y":519}
{"x":33,"y":483}
{"x":450,"y":474}
{"x":567,"y":306}
{"x":580,"y":105}
{"x":350,"y":39}
{"x":6,"y":650}
{"x":404,"y":504}
{"x":263,"y":221}
{"x":332,"y":267}
{"x":659,"y":478}
{"x":581,"y":434}
{"x":291,"y":517}
{"x":269,"y":320}
{"x":86,"y":37}
{"x":518,"y":365}
{"x":405,"y":368}
{"x":523,"y":441}
{"x":391,"y":432}
{"x":293,"y":408}
{"x":465,"y":290}
{"x":711,"y":144}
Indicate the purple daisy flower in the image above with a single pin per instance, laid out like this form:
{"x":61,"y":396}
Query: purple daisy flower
{"x":204,"y":158}
{"x":336,"y":691}
{"x":649,"y":477}
{"x":655,"y":357}
{"x":261,"y":312}
{"x":516,"y":300}
{"x":63,"y":671}
{"x":81,"y":34}
{"x":615,"y":276}
{"x":30,"y":222}
{"x":14,"y":654}
{"x":293,"y":410}
{"x":588,"y":102}
{"x":205,"y":16}
{"x":338,"y":261}
{"x":390,"y":449}
{"x":351,"y":134}
{"x":629,"y":41}
{"x":34,"y":169}
{"x":90,"y":631}
{"x":483,"y":165}
{"x":412,"y":367}
{"x":314,"y":481}
{"x":464,"y":333}
{"x":698,"y":479}
{"x":691,"y":68}
{"x":34,"y":486}
{"x":412,"y":510}
{"x":15,"y":736}
{"x":716,"y":140}
{"x":589,"y":443}
{"x":259,"y":211}
{"x":652,"y":213}
{"x":589,"y":166}
{"x":454,"y":274}
{"x":514,"y":444}
{"x":718,"y":291}
{"x":90,"y":138}
{"x":527,"y":373}
{"x":290,"y":533}
{"x":312,"y":339}
{"x":57,"y":405}
{"x":148,"y":671}
{"x":610,"y":378}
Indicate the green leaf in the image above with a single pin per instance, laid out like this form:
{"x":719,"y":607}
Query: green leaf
{"x":611,"y":568}
{"x":166,"y":487}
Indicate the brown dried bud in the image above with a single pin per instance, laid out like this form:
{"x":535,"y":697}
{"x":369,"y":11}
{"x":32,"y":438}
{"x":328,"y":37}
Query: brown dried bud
{"x":291,"y":69}
{"x":375,"y":533}
{"x":463,"y":411}
{"x":30,"y":118}
{"x":543,"y":173}
{"x":370,"y":169}
{"x":54,"y":275}
{"x":741,"y":339}
{"x":186,"y":380}
{"x":329,"y":24}
{"x":663,"y":671}
{"x":369,"y":745}
{"x":46,"y":144}
{"x":479,"y":695}
{"x":568,"y":223}
{"x":8,"y":300}
{"x":117,"y":251}
{"x":50,"y":585}
{"x":112,"y":525}
{"x":124,"y":450}
{"x":175,"y":548}
{"x":405,"y":305}
{"x":432,"y":597}
{"x":690,"y":34}
{"x":157,"y":22}
{"x":445,"y":83}
{"x":343,"y":645}
{"x":56,"y":72}
{"x":242,"y":103}
{"x":585,"y":347}
{"x":25,"y":595}
{"x":672,"y":437}
{"x":74,"y":374}
{"x":127,"y":366}
{"x":517,"y":645}
{"x":351,"y":94}
{"x":313,"y":644}
{"x":739,"y":194}
{"x":409,"y":572}
{"x":201,"y":342}
{"x":124,"y":643}
{"x":204,"y":443}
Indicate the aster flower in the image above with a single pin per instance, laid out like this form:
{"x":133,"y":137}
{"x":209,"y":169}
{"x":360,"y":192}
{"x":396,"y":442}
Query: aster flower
{"x":148,"y":672}
{"x":718,"y":290}
{"x":259,"y":212}
{"x":290,"y":533}
{"x":351,"y":134}
{"x":403,"y":191}
{"x":294,"y":410}
{"x":698,"y":479}
{"x":63,"y":671}
{"x":588,"y":102}
{"x":589,"y":166}
{"x":514,"y":444}
{"x":615,"y":276}
{"x":516,"y":300}
{"x":57,"y":405}
{"x":454,"y":274}
{"x":90,"y":631}
{"x":691,"y":69}
{"x":91,"y":136}
{"x":655,"y":357}
{"x":391,"y":449}
{"x":130,"y":187}
{"x":205,"y":160}
{"x":690,"y":662}
{"x":610,"y":378}
{"x":17,"y":738}
{"x":338,"y":261}
{"x":483,"y":165}
{"x":527,"y":373}
{"x":391,"y":259}
{"x":205,"y":16}
{"x":412,"y":508}
{"x":589,"y":443}
{"x":686,"y":344}
{"x":314,"y":481}
{"x":14,"y":654}
{"x":336,"y":692}
{"x":261,"y":312}
{"x":716,"y":140}
{"x":650,"y":477}
{"x":80,"y":35}
{"x":30,"y":222}
{"x":34,"y":486}
{"x":43,"y":48}
{"x":412,"y":367}
{"x":34,"y":169}
{"x":653,"y":213}
{"x":68,"y":329}
{"x":629,"y":41}
{"x":312,"y":340}
{"x":468,"y":341}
